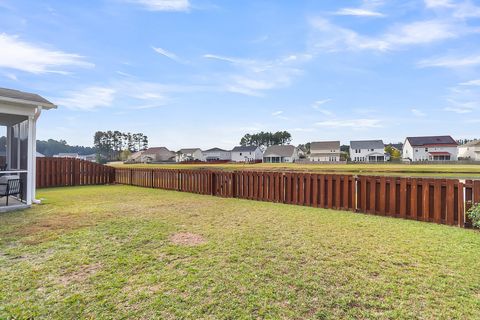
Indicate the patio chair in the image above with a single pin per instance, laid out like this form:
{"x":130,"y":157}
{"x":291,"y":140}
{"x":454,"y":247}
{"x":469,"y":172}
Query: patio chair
{"x":9,"y":186}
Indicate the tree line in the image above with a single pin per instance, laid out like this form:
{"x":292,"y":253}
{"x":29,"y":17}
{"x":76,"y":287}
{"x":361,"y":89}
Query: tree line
{"x":51,"y":147}
{"x":116,"y":145}
{"x":266,"y":139}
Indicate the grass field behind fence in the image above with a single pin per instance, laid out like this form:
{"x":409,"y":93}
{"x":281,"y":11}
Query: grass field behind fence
{"x":107,"y":252}
{"x":461,"y":171}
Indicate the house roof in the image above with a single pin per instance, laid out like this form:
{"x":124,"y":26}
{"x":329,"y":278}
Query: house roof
{"x":215,"y":150}
{"x":398,"y":146}
{"x":244,"y":148}
{"x":325,"y":145}
{"x":431,"y":140}
{"x":17,"y":96}
{"x":471,"y":144}
{"x":188,"y":150}
{"x":280,"y":151}
{"x":367,"y":144}
{"x":157,"y":150}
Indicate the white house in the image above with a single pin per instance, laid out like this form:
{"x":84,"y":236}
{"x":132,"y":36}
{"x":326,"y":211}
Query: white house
{"x":216,"y":154}
{"x":470,"y":151}
{"x":368,"y":151}
{"x":246,"y":154}
{"x":325,"y":151}
{"x":19,"y":112}
{"x":281,"y":154}
{"x":432,"y":148}
{"x":191,"y":154}
{"x":67,"y":155}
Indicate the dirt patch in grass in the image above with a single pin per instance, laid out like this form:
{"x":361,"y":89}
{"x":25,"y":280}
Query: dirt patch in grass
{"x":79,"y":275}
{"x":187,"y":239}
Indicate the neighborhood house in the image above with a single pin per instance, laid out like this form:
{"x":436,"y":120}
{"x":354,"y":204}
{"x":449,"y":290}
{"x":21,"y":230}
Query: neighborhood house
{"x":433,"y":148}
{"x":470,"y":151}
{"x":247,"y":154}
{"x":281,"y":154}
{"x":325,"y":151}
{"x":216,"y":154}
{"x":157,"y":154}
{"x":190,"y":154}
{"x":368,"y":151}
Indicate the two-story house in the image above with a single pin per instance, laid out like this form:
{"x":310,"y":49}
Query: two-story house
{"x":431,"y":148}
{"x":470,"y":151}
{"x":368,"y":151}
{"x":189,"y":154}
{"x":246,"y":154}
{"x":324,"y":151}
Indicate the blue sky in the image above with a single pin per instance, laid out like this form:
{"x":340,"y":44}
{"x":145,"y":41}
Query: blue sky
{"x":201,"y":73}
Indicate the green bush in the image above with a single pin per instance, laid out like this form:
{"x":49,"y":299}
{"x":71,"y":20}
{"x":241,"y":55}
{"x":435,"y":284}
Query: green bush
{"x":474,"y":215}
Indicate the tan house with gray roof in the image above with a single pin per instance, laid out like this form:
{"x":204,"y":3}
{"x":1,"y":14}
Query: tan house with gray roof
{"x":189,"y":154}
{"x":325,"y":151}
{"x":281,"y":154}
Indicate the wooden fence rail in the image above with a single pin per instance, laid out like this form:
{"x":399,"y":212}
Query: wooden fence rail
{"x":61,"y":172}
{"x":443,"y":201}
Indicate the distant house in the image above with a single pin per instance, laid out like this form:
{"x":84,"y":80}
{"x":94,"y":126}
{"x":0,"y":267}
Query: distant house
{"x":136,"y":156}
{"x":216,"y":154}
{"x":189,"y":154}
{"x":431,"y":148}
{"x":67,"y":155}
{"x":89,"y":157}
{"x":325,"y":151}
{"x":246,"y":154}
{"x":157,"y":154}
{"x":470,"y":151}
{"x":281,"y":154}
{"x":40,"y":155}
{"x":368,"y":151}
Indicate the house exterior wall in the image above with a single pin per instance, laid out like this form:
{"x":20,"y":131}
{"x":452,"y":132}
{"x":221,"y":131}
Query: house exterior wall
{"x":471,"y":153}
{"x":197,"y":155}
{"x":220,"y":155}
{"x":421,"y":153}
{"x":272,"y":158}
{"x":362,"y":155}
{"x":247,"y":155}
{"x":325,"y":155}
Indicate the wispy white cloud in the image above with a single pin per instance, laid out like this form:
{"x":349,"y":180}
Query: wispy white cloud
{"x":353,"y":123}
{"x":418,"y":113}
{"x":167,"y":54}
{"x":456,"y":9}
{"x":318,"y":105}
{"x":359,"y":12}
{"x":253,"y":77}
{"x":28,"y":57}
{"x":451,"y":62}
{"x":463,"y":99}
{"x":277,"y":113}
{"x":335,"y":38}
{"x":471,"y":83}
{"x":87,"y":99}
{"x":163,"y":5}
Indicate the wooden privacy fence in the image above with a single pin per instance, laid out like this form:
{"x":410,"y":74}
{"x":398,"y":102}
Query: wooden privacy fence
{"x":60,"y":172}
{"x":433,"y":200}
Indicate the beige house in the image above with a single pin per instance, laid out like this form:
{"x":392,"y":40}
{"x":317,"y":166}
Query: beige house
{"x":157,"y":154}
{"x":189,"y":154}
{"x":281,"y":154}
{"x":324,"y":151}
{"x":470,"y":151}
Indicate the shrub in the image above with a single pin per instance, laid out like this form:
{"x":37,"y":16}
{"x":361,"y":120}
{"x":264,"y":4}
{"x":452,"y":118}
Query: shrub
{"x":474,"y":215}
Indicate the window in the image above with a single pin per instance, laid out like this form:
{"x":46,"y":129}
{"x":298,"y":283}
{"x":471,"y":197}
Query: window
{"x":426,"y":149}
{"x":240,"y":153}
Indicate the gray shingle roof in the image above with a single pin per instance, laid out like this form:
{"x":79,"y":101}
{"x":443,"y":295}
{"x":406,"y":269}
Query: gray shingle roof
{"x":367,"y":144}
{"x":471,"y":143}
{"x":244,"y":149}
{"x":189,"y":150}
{"x":281,"y":151}
{"x":431,"y":140}
{"x":325,"y":145}
{"x":26,"y":96}
{"x":215,"y":150}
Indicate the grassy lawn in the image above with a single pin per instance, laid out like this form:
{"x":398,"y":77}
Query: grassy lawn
{"x":108,"y":252}
{"x":462,"y":171}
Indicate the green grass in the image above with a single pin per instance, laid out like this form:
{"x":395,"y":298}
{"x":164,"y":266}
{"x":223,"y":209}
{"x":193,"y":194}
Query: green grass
{"x":461,"y":171}
{"x":103,"y":252}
